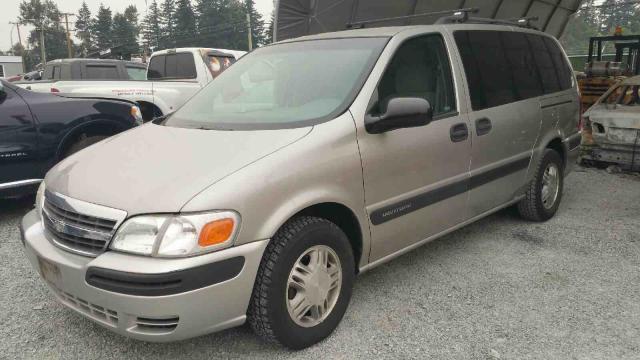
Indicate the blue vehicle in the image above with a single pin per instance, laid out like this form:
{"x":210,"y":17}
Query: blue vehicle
{"x":38,"y":129}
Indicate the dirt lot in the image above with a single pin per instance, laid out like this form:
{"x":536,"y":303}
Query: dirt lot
{"x":500,"y":288}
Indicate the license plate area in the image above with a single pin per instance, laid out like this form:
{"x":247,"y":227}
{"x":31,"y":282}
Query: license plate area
{"x":50,"y":272}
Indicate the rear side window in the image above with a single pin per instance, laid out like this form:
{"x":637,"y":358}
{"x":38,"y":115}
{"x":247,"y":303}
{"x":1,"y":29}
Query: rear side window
{"x":503,"y":67}
{"x":101,"y":72}
{"x":488,"y":73}
{"x":172,"y":66}
{"x":419,"y":68}
{"x":136,"y":73}
{"x":563,"y":70}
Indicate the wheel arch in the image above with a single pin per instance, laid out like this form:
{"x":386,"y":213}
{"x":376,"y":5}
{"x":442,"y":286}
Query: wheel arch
{"x":344,"y":218}
{"x":94,"y":127}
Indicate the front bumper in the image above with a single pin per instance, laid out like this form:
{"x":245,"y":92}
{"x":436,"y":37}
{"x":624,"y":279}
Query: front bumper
{"x":151,"y":318}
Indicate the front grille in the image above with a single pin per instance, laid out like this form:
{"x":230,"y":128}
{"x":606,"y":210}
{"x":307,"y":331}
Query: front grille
{"x":84,"y":221}
{"x":76,"y":232}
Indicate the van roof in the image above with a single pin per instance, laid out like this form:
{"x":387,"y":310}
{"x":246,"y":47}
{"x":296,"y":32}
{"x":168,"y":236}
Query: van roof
{"x":391,"y":31}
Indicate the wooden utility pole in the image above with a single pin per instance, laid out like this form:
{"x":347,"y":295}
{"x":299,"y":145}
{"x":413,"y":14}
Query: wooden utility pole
{"x":69,"y":45}
{"x":249,"y":31}
{"x":17,"y":24}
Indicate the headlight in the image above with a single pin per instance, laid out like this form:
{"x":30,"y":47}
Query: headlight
{"x":40,"y":198}
{"x":137,"y":115}
{"x":177,"y":235}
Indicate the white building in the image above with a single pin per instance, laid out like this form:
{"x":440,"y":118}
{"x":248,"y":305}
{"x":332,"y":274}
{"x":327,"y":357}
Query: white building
{"x":10,"y":66}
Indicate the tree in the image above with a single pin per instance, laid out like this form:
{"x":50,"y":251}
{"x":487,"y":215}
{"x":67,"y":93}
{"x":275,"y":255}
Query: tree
{"x":185,"y":23}
{"x":102,"y":28}
{"x":167,"y":24}
{"x":83,"y":29}
{"x":44,"y":15}
{"x":125,"y":32}
{"x":151,"y":27}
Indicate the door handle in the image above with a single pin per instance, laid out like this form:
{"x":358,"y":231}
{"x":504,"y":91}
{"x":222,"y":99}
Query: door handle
{"x":483,"y":126}
{"x":459,"y":132}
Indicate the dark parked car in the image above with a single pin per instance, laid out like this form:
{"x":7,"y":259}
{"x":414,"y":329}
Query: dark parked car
{"x":38,"y":129}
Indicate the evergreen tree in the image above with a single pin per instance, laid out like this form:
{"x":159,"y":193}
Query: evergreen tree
{"x":125,"y":32}
{"x":83,"y":29}
{"x":151,"y":29}
{"x":44,"y":14}
{"x":167,"y":24}
{"x":102,"y":28}
{"x":185,"y":22}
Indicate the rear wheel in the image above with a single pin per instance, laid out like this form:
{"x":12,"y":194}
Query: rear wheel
{"x":304,"y":283}
{"x":83,"y":142}
{"x":544,"y":193}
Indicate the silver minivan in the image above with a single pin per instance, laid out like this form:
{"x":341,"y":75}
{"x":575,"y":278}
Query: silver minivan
{"x":306,"y":163}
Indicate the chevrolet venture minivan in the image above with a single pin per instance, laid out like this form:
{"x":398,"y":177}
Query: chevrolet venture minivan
{"x":307,"y":162}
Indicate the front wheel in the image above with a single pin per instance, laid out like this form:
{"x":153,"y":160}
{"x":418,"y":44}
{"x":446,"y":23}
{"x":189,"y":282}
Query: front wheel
{"x":304,"y":283}
{"x":544,"y":193}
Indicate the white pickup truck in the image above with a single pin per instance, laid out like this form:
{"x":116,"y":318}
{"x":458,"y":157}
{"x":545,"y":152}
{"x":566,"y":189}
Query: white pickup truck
{"x":173,"y":77}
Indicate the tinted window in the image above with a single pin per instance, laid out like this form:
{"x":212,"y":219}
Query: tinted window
{"x":522,"y":65}
{"x":56,"y":72}
{"x":546,"y":68}
{"x":563,"y":70}
{"x":172,"y":66}
{"x":491,"y":81}
{"x":419,"y":68}
{"x":156,"y":67}
{"x":136,"y":73}
{"x":106,"y":72}
{"x":504,"y":67}
{"x":1,"y":70}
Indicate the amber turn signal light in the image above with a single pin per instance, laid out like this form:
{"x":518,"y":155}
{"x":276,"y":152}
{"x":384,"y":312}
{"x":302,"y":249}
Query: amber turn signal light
{"x":216,"y":232}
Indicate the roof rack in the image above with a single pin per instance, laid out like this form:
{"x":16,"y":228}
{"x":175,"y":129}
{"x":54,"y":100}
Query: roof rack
{"x":461,"y":14}
{"x":520,"y":22}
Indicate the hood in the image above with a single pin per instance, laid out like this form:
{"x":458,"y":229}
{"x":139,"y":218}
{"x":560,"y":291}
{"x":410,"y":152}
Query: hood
{"x":156,"y":168}
{"x":626,"y":117}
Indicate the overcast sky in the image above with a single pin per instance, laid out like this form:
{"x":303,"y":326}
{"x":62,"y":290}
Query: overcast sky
{"x":10,"y":11}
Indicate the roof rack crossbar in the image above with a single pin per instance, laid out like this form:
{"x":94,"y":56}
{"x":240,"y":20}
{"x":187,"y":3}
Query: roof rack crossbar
{"x":520,"y":22}
{"x":461,"y":14}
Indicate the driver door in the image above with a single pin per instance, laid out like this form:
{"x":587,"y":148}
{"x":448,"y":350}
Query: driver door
{"x":416,"y":179}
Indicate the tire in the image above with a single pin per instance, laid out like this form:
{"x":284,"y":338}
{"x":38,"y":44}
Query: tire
{"x":83,"y":142}
{"x":271,"y":306}
{"x":536,"y":206}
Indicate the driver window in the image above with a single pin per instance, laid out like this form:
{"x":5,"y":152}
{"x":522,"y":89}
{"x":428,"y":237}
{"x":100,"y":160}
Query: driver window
{"x":419,"y":68}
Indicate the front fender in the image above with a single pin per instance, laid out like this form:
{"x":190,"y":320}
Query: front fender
{"x":323,"y":167}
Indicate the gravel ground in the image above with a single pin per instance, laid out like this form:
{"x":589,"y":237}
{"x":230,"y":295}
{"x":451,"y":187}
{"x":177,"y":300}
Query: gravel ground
{"x":499,"y":288}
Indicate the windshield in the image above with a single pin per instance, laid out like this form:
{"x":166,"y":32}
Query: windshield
{"x":283,"y":86}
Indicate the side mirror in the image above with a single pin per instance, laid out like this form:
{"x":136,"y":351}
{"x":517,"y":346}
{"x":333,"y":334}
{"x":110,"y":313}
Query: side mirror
{"x":402,"y":112}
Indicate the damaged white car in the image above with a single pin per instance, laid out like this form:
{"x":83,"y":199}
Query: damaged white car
{"x":615,"y":123}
